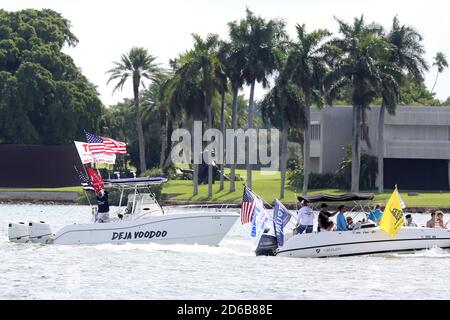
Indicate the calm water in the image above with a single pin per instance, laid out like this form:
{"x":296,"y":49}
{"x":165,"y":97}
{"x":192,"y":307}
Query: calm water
{"x":230,"y":271}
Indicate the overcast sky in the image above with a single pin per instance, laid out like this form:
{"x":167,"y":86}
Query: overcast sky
{"x":108,"y":28}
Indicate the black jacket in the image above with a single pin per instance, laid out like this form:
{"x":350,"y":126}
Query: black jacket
{"x":103,"y":205}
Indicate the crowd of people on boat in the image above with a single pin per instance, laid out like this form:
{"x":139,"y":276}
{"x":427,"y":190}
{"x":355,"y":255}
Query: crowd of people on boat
{"x":343,"y":223}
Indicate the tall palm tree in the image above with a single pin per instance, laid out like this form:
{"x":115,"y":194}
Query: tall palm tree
{"x":154,"y":98}
{"x":307,"y":68}
{"x":284,"y":107}
{"x":440,"y":61}
{"x":137,"y":64}
{"x":406,"y":55}
{"x":221,"y":84}
{"x":185,"y":96}
{"x":260,"y":42}
{"x":204,"y":62}
{"x":358,"y":52}
{"x":233,"y":60}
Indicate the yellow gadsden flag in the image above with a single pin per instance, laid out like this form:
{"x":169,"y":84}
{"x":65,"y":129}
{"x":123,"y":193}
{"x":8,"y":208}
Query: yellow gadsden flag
{"x":392,"y":220}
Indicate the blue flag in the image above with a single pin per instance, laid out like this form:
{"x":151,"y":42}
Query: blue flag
{"x":281,"y":217}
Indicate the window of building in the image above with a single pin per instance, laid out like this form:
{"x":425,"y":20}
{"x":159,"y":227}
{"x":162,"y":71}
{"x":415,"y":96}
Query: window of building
{"x":448,"y":133}
{"x":315,"y":131}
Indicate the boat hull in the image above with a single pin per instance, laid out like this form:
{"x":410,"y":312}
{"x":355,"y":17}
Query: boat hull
{"x":363,"y":241}
{"x":185,"y":228}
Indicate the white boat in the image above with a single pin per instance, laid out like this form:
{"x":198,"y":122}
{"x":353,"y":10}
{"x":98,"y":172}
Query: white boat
{"x":363,"y":241}
{"x":142,"y":221}
{"x":368,"y":239}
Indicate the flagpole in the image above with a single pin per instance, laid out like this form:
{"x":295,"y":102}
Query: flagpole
{"x":85,"y":193}
{"x":270,"y":206}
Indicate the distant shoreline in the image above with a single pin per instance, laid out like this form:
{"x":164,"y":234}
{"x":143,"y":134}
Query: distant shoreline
{"x":71,"y":198}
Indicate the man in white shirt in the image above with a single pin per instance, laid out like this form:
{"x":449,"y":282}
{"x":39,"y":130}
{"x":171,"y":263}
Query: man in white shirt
{"x":305,"y":218}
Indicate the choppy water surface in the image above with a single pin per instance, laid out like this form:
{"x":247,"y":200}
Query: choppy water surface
{"x":229,"y":271}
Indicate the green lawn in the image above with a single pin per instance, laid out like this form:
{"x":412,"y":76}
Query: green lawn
{"x":268,"y":187}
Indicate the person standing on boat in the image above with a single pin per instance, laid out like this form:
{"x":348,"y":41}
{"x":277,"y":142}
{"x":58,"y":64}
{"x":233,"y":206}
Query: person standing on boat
{"x":324,"y":222}
{"x":409,"y":222}
{"x":341,"y":222}
{"x":305,"y":218}
{"x":376,"y":215}
{"x":103,"y":206}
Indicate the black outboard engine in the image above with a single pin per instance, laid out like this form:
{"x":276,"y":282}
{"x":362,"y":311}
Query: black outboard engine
{"x":267,"y":245}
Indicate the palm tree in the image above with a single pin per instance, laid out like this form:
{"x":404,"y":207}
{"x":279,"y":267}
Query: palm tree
{"x":259,"y":41}
{"x":204,"y":62}
{"x":137,"y":64}
{"x":221,"y":84}
{"x":406,"y":55}
{"x":440,"y":61}
{"x":185,"y":96}
{"x":233,"y":61}
{"x":358,"y":52}
{"x":155,"y":99}
{"x":284,"y":107}
{"x":307,"y":69}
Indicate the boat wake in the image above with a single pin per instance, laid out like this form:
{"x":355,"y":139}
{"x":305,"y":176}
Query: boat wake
{"x":434,"y":252}
{"x":176,"y":248}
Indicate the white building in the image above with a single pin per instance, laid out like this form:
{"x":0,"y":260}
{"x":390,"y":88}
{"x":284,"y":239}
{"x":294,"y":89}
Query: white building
{"x":416,"y":144}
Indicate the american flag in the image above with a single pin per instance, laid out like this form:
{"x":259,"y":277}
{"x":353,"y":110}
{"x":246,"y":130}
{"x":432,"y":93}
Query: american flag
{"x":115,"y":146}
{"x":102,"y":145}
{"x":96,"y":145}
{"x":248,"y":206}
{"x":85,"y":182}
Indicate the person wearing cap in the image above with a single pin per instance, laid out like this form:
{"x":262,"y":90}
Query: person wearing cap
{"x":341,"y":222}
{"x":305,"y":218}
{"x":324,"y":222}
{"x":409,"y":222}
{"x":103,"y":206}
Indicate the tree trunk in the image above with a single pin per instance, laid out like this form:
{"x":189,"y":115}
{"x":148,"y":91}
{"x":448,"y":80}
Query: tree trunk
{"x":210,"y":171}
{"x":139,"y":129}
{"x":234,"y":124}
{"x":380,"y":149}
{"x":250,"y":126}
{"x":169,"y":140}
{"x":163,"y":121}
{"x":307,"y":145}
{"x":283,"y":165}
{"x":195,"y":166}
{"x":222,"y":128}
{"x":356,"y":149}
{"x":435,"y":81}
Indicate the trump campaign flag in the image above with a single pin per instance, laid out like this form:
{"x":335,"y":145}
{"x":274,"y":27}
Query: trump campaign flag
{"x":281,"y":217}
{"x":259,"y":221}
{"x":96,"y":180}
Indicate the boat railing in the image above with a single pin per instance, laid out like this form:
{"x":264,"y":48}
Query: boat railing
{"x":216,"y":206}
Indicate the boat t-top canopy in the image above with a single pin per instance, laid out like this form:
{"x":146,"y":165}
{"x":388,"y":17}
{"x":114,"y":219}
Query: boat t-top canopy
{"x":348,"y":197}
{"x":134,"y":182}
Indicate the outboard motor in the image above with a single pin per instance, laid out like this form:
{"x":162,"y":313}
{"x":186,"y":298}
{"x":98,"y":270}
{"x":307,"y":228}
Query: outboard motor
{"x":39,"y":232}
{"x":267,"y":245}
{"x":18,"y":232}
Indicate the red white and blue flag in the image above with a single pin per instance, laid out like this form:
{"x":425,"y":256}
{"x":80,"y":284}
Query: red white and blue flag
{"x":102,"y":145}
{"x":248,"y":206}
